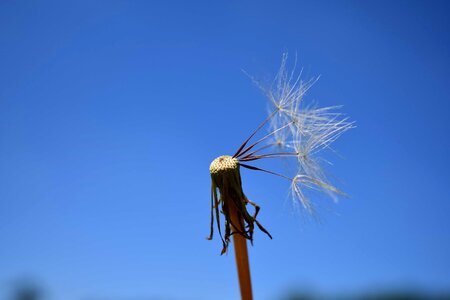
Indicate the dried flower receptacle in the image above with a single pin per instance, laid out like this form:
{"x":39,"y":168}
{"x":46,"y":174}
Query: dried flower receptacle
{"x":226,"y":179}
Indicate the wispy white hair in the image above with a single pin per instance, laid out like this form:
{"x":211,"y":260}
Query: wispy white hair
{"x":301,"y":130}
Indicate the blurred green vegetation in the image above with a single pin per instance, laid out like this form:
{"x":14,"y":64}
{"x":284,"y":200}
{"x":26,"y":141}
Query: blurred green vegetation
{"x":402,"y":294}
{"x":26,"y":290}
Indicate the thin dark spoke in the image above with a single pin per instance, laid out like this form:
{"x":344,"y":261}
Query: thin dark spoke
{"x":263,"y":138}
{"x":270,"y":155}
{"x":259,"y":149}
{"x":262,"y":170}
{"x":257,"y":129}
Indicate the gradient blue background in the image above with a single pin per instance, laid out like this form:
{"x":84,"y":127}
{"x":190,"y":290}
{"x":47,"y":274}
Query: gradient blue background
{"x":111,"y":111}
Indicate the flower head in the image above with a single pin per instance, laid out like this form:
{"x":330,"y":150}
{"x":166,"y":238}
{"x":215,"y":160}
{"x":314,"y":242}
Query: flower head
{"x":301,"y":130}
{"x":295,"y":130}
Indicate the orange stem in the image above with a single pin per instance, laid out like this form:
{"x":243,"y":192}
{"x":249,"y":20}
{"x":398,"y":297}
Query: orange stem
{"x":241,"y":254}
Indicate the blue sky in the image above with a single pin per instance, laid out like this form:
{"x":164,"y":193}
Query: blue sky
{"x":111,"y":112}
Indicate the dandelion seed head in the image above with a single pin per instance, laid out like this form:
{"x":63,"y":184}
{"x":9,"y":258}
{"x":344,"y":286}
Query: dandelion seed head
{"x":297,"y":193}
{"x":303,"y":129}
{"x":298,"y":132}
{"x":223,"y":164}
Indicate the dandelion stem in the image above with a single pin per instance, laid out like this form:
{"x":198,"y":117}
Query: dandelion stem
{"x":241,"y":253}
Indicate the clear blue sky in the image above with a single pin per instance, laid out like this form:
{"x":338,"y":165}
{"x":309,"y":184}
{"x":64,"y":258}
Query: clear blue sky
{"x":110,"y":113}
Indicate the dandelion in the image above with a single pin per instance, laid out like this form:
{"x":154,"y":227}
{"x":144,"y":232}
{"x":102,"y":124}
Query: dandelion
{"x":296,"y":131}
